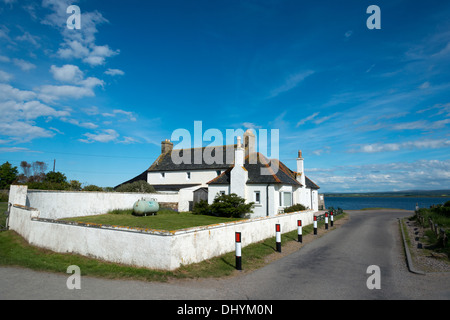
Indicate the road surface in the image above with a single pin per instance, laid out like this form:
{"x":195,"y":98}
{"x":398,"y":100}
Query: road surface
{"x":333,"y":266}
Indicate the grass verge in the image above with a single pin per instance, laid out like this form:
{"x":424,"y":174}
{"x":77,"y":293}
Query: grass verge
{"x":15,"y":251}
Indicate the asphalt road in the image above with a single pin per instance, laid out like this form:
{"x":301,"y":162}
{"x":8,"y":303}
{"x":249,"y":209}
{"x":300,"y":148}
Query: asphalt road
{"x":333,"y":266}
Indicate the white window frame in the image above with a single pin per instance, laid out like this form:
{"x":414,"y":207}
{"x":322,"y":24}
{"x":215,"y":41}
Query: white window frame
{"x":257,"y":194}
{"x":282,"y":195}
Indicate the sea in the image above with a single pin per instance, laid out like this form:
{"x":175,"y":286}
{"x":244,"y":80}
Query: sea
{"x":407,"y":203}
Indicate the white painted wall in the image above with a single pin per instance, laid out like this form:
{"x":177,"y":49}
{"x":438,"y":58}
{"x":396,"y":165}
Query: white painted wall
{"x":155,"y":250}
{"x":180,"y":177}
{"x":58,"y":204}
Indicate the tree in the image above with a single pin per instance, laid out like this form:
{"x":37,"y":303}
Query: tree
{"x":55,"y":177}
{"x":137,"y":186}
{"x":225,"y":206}
{"x":8,"y":174}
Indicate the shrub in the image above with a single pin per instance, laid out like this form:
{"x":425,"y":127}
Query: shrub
{"x":92,"y":187}
{"x":295,"y":208}
{"x":230,"y":206}
{"x":202,"y":207}
{"x":137,"y":186}
{"x":224,"y":206}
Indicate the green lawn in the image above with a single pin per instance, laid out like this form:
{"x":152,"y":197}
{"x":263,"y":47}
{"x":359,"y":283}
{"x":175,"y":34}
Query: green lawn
{"x":164,"y":220}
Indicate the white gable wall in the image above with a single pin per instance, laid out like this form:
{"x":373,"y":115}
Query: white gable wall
{"x":181,"y":177}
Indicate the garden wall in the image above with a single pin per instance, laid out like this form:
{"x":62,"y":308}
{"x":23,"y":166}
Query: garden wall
{"x":144,"y":248}
{"x":66,"y":204}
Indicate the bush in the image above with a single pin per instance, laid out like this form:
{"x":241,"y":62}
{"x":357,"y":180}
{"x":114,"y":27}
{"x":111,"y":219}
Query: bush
{"x":224,"y":206}
{"x":137,"y":186}
{"x":202,"y":207}
{"x":230,"y":206}
{"x":92,"y":187}
{"x":295,"y":208}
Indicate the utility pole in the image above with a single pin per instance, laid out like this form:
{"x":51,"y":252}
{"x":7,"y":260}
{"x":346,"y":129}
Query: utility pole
{"x":54,"y":164}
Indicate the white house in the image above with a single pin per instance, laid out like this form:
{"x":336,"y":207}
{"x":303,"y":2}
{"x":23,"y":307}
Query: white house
{"x":231,"y":169}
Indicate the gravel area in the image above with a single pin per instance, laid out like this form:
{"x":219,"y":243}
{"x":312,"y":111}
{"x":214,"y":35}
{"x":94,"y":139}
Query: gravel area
{"x":423,"y":258}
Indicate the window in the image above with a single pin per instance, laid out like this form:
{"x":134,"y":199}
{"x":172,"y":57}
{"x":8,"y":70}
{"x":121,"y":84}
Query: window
{"x":257,"y":197}
{"x":222,"y":193}
{"x":218,"y":172}
{"x":163,"y":174}
{"x":188,"y":175}
{"x":285,"y":199}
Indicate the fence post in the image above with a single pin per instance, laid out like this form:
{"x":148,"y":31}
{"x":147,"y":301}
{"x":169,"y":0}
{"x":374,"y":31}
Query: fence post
{"x":331,"y":218}
{"x":238,"y":251}
{"x":278,"y":237}
{"x":315,"y":225}
{"x":326,"y":220}
{"x":299,"y":231}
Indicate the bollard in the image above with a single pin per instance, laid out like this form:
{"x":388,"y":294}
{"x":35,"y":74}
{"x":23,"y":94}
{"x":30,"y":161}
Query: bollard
{"x":299,"y":231}
{"x":278,"y":237}
{"x":331,"y":218}
{"x":315,"y":225}
{"x":238,"y":251}
{"x":326,"y":220}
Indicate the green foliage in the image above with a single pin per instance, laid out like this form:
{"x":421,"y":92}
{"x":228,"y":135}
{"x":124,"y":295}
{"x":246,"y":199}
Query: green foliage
{"x":8,"y":174}
{"x":295,"y":208}
{"x":201,"y":207}
{"x":92,"y":187}
{"x":224,"y":206}
{"x":137,"y":186}
{"x":55,"y":177}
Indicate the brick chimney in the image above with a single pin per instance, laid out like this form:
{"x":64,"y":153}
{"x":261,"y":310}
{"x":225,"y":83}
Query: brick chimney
{"x":300,"y":169}
{"x":166,"y":146}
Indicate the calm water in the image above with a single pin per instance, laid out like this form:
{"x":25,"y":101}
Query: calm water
{"x":356,"y":203}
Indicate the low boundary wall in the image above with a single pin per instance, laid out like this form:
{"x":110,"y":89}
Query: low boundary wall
{"x":68,"y":204}
{"x":155,"y":249}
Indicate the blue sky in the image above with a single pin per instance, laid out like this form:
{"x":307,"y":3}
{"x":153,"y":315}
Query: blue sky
{"x":370,"y":109}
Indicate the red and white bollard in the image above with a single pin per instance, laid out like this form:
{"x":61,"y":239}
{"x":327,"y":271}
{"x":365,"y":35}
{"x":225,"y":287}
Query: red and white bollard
{"x":315,"y":225}
{"x":299,"y":231}
{"x":331,"y":218}
{"x":238,"y":251}
{"x":326,"y":220}
{"x":278,"y":237}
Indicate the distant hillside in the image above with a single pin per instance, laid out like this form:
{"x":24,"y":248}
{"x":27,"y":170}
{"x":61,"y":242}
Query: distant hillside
{"x":406,"y":193}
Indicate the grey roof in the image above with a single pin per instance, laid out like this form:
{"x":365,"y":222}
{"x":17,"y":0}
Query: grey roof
{"x":282,"y":176}
{"x":226,"y":154}
{"x":222,"y":157}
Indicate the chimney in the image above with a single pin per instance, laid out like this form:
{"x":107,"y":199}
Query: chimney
{"x":300,"y":169}
{"x":166,"y":146}
{"x":249,"y":145}
{"x":239,"y":153}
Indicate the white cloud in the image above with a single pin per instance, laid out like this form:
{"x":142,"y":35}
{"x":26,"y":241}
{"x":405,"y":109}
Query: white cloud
{"x":24,"y":65}
{"x":418,"y":144}
{"x":114,"y":72}
{"x":290,"y":83}
{"x":103,"y":136}
{"x":420,"y":174}
{"x":67,"y":73}
{"x":80,"y":44}
{"x":50,"y":93}
{"x":5,"y":77}
{"x":309,"y":118}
